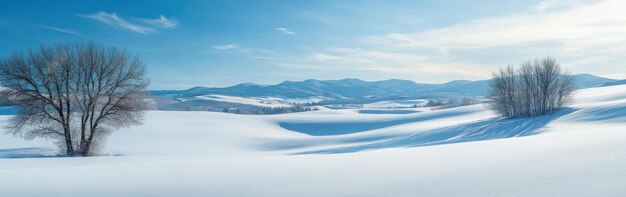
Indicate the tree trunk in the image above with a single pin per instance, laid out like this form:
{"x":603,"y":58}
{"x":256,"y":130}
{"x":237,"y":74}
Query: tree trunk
{"x":69,"y":148}
{"x":85,"y":148}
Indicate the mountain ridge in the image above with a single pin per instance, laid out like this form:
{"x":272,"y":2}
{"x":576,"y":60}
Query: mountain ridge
{"x":614,"y":83}
{"x":356,"y":88}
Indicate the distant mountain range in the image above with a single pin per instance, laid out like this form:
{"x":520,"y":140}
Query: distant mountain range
{"x":356,"y":89}
{"x":293,"y":96}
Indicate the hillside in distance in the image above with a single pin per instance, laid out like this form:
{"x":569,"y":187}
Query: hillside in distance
{"x":351,"y":88}
{"x":614,"y":83}
{"x":250,"y":97}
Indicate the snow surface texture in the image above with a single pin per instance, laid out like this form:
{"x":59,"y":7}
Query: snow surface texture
{"x":464,"y":151}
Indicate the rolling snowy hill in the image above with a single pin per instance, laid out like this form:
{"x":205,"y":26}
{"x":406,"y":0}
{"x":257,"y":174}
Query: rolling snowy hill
{"x":613,"y":83}
{"x":464,"y":151}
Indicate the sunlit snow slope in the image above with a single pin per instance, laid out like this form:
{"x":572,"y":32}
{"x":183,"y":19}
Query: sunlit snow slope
{"x":465,"y":151}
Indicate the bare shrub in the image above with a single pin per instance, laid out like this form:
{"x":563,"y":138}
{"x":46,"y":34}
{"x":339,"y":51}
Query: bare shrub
{"x":537,"y":87}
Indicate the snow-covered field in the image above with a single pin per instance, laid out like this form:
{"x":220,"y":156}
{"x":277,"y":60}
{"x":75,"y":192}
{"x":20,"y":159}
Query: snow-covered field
{"x":465,"y":151}
{"x":264,"y":102}
{"x":258,"y":101}
{"x":397,"y":104}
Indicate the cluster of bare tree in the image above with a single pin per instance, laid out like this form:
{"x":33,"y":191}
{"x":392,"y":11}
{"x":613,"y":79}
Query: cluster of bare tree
{"x":74,"y":93}
{"x":247,"y":109}
{"x":537,"y":87}
{"x":435,"y":102}
{"x":438,"y":104}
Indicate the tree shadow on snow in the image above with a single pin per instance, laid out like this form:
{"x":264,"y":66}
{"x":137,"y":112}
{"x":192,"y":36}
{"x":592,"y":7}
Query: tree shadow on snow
{"x":386,"y":111}
{"x":495,"y":128}
{"x":35,"y":152}
{"x":601,"y":114}
{"x":348,"y":127}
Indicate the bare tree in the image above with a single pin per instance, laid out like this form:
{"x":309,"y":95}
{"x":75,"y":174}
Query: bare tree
{"x":503,"y":86}
{"x":74,"y":93}
{"x":538,"y":87}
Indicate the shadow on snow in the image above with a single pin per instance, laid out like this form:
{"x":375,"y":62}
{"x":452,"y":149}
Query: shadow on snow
{"x":601,"y":114}
{"x":382,"y":111}
{"x":341,"y":128}
{"x":35,"y":152}
{"x":495,"y":128}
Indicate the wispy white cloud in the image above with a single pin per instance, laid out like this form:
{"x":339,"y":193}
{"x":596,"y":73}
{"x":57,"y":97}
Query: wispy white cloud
{"x":324,"y":57}
{"x":404,"y":62}
{"x":285,"y":30}
{"x":554,"y":4}
{"x":545,"y":4}
{"x":113,"y":20}
{"x":226,"y":46}
{"x":582,"y":35}
{"x":585,"y":37}
{"x":147,"y":26}
{"x":381,"y":63}
{"x":340,"y":57}
{"x":67,"y":31}
{"x":243,"y":49}
{"x":254,"y":53}
{"x":162,"y":22}
{"x":576,"y":28}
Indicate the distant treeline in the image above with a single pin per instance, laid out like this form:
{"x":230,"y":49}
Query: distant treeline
{"x":269,"y":110}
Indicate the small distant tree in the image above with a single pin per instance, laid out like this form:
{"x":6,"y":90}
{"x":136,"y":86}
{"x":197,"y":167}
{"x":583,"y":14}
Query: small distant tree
{"x":537,"y":87}
{"x":434,"y":103}
{"x":465,"y":101}
{"x":74,"y":93}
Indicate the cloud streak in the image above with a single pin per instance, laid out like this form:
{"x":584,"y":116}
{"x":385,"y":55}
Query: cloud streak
{"x":67,"y":31}
{"x":147,"y":27}
{"x":162,"y":22}
{"x":285,"y":31}
{"x":380,"y":64}
{"x":226,"y":46}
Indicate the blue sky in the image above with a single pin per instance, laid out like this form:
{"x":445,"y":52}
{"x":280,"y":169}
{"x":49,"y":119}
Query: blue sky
{"x":221,"y":43}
